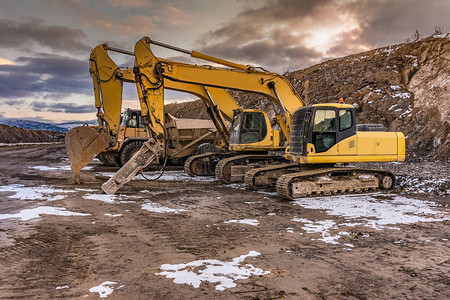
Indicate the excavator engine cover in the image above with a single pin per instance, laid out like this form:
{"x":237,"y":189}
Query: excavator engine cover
{"x":83,"y":144}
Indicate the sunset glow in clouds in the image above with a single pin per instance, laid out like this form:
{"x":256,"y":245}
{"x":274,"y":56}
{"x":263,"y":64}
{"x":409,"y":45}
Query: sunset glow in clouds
{"x":45,"y":44}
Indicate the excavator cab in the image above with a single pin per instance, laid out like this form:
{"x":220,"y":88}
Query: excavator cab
{"x":248,"y":127}
{"x":251,"y":130}
{"x":132,"y":118}
{"x":318,"y":128}
{"x":327,"y":133}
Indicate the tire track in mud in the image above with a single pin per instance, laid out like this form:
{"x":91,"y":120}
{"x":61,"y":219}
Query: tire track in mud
{"x":54,"y":255}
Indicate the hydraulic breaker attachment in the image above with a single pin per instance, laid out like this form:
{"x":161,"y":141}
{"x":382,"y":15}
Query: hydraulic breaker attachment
{"x":83,"y":144}
{"x":149,"y":151}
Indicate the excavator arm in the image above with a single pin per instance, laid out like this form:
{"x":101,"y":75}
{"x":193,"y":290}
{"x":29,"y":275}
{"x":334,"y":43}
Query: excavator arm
{"x":239,"y":77}
{"x":85,"y":142}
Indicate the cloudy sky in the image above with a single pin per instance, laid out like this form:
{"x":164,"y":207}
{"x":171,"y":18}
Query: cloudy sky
{"x":45,"y":44}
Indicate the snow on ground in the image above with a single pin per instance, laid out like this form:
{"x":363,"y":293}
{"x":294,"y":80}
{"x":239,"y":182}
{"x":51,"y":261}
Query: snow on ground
{"x":179,"y":176}
{"x":32,"y":213}
{"x":439,"y":186}
{"x":102,"y":197}
{"x":104,"y":290}
{"x":111,"y":215}
{"x":378,"y":211}
{"x":27,"y":144}
{"x":57,"y":168}
{"x":42,"y":192}
{"x":323,"y":227}
{"x":244,"y":221}
{"x":213,"y":271}
{"x":158,"y":208}
{"x":62,"y":287}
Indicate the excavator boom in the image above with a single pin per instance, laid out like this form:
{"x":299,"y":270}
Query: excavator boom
{"x":85,"y":143}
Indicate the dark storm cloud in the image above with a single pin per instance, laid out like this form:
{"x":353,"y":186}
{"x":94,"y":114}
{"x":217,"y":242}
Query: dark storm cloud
{"x":24,"y":35}
{"x":265,"y":34}
{"x":14,"y":102}
{"x":71,"y":108}
{"x":47,"y":74}
{"x":275,"y":33}
{"x":387,"y":22}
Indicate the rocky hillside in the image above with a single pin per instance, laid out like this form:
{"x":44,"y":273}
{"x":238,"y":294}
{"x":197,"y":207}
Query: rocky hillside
{"x":405,"y":87}
{"x":10,"y":135}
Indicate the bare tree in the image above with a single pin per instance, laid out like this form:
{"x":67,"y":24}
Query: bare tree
{"x":416,"y":36}
{"x":438,"y":30}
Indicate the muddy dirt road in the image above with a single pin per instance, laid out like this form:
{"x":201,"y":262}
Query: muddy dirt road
{"x":181,"y":238}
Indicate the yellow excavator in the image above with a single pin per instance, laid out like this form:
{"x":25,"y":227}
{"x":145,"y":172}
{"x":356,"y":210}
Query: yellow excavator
{"x":252,"y":133}
{"x":115,"y":143}
{"x":322,"y":136}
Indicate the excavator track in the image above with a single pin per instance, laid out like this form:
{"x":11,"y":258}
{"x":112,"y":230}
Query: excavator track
{"x":258,"y":178}
{"x":234,"y":169}
{"x":331,"y":181}
{"x":201,"y":164}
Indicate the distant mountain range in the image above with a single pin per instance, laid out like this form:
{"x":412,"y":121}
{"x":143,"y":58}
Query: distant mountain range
{"x":62,"y":127}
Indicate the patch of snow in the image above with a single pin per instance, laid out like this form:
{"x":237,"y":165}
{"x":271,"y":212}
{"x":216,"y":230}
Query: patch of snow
{"x":244,"y":221}
{"x":32,"y":213}
{"x":406,"y":112}
{"x":86,"y":190}
{"x":290,"y":230}
{"x":101,"y":197}
{"x":26,"y":144}
{"x":323,"y":227}
{"x":57,"y":168}
{"x":267,"y":193}
{"x":111,"y":215}
{"x":158,"y":208}
{"x":62,"y":287}
{"x":377,"y":211}
{"x":392,"y":106}
{"x":424,"y":186}
{"x":271,"y":214}
{"x":402,"y":95}
{"x":42,"y":192}
{"x":378,"y":91}
{"x":213,"y":271}
{"x":395,"y":87}
{"x":239,"y":186}
{"x":104,"y":290}
{"x":179,"y":176}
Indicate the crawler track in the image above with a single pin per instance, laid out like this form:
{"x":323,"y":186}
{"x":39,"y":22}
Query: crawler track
{"x":328,"y":181}
{"x":200,"y":165}
{"x":226,"y":174}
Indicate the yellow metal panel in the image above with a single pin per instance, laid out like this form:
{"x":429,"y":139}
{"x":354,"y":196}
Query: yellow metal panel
{"x":370,"y":147}
{"x":348,"y":146}
{"x":376,"y":143}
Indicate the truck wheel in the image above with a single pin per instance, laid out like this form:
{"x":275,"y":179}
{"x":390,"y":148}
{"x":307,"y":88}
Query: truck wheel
{"x":109,"y":160}
{"x":205,"y":148}
{"x":102,"y":159}
{"x":129,"y":150}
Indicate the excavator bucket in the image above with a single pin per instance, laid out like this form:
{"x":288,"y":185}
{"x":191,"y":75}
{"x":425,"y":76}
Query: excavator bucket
{"x":83,"y":144}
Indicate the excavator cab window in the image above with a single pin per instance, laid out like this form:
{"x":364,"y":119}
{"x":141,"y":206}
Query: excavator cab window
{"x":345,"y":119}
{"x":324,"y":129}
{"x":247,"y":128}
